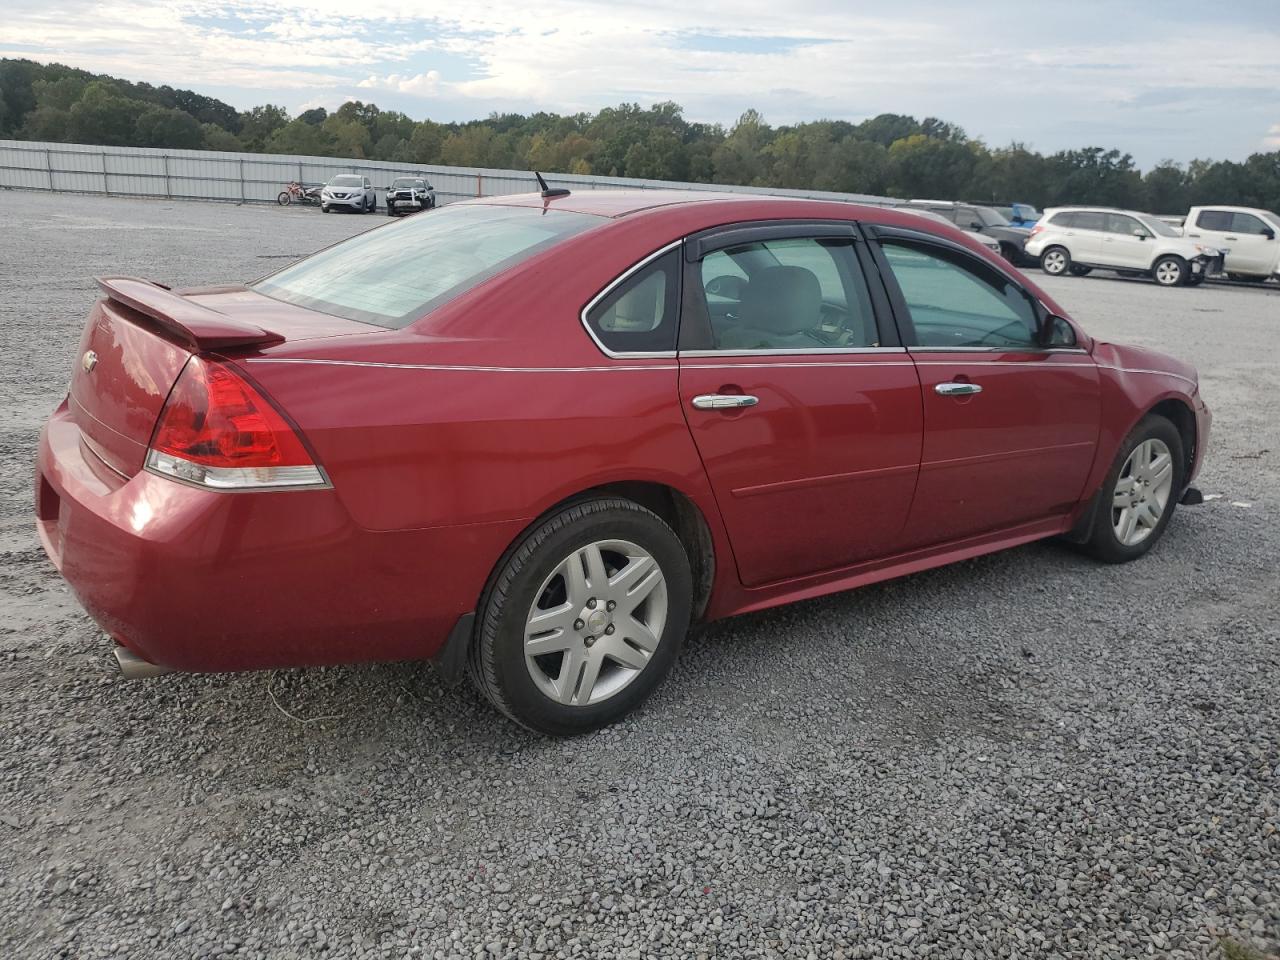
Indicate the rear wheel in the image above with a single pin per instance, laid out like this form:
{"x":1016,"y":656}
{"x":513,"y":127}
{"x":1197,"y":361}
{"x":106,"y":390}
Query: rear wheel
{"x":584,"y":619}
{"x":1170,"y":271}
{"x":1055,"y":261}
{"x":1140,"y":492}
{"x":324,"y":208}
{"x":1079,"y":271}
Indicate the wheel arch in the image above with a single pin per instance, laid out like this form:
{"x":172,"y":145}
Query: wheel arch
{"x":1176,"y":410}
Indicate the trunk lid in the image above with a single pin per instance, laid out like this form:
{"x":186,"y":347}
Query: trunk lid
{"x":139,"y":337}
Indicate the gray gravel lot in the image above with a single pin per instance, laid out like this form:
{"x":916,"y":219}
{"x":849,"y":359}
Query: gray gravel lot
{"x":1025,"y":755}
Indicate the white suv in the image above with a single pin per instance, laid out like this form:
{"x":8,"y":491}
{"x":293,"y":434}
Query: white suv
{"x":1077,"y":239}
{"x":351,"y":191}
{"x":1248,"y":236}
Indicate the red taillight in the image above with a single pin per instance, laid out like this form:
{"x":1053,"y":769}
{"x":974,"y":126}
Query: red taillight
{"x":217,"y":430}
{"x":1036,"y":229}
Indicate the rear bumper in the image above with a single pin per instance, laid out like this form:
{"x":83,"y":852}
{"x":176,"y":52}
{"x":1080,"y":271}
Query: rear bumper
{"x":202,"y":581}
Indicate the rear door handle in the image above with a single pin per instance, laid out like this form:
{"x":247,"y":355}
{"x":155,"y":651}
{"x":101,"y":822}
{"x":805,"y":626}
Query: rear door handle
{"x":724,"y":401}
{"x":957,"y":389}
{"x":1230,"y":238}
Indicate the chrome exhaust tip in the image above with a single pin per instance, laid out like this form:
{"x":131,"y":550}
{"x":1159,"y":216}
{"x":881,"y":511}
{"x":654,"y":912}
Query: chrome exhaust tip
{"x":133,"y":667}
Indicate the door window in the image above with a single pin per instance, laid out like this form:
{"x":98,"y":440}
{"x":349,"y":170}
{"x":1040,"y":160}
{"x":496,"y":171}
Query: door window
{"x":1247,"y":223}
{"x":787,"y":294}
{"x":957,"y":301}
{"x":639,"y":314}
{"x":1089,"y":220}
{"x":1214,"y":220}
{"x":1119,"y":223}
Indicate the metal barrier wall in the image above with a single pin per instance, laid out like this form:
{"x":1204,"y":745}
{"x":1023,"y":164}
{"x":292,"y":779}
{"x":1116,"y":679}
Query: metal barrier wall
{"x":258,"y":177}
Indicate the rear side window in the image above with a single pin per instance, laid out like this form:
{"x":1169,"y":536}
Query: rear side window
{"x":958,"y":301}
{"x":1063,"y":219}
{"x":1214,"y":220}
{"x":639,"y":314}
{"x":395,"y":274}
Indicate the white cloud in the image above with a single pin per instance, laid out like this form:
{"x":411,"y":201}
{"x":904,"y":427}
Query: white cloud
{"x":1272,"y":139}
{"x":420,"y":85}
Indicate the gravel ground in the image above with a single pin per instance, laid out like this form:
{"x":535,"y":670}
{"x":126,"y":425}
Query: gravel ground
{"x":1020,"y":756}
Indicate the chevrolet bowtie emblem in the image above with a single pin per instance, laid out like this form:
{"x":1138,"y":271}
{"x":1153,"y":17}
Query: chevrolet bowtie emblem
{"x":89,"y":361}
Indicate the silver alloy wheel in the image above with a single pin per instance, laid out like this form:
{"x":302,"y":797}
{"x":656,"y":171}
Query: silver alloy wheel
{"x":1054,"y":262}
{"x":1142,"y":492}
{"x":1168,"y":273}
{"x":595,"y":622}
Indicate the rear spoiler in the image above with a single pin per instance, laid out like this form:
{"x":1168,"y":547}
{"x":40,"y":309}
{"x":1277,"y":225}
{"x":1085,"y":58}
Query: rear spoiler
{"x":203,"y":328}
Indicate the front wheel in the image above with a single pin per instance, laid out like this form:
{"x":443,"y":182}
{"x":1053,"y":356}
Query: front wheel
{"x":1170,"y":271}
{"x":324,"y":208}
{"x":1246,"y":277}
{"x":284,"y":198}
{"x":584,"y":619}
{"x":1055,"y":261}
{"x":1140,"y":492}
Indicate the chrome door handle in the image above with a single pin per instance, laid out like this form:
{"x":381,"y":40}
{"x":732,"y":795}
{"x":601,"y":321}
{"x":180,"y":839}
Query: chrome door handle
{"x":957,"y":389}
{"x":724,"y":401}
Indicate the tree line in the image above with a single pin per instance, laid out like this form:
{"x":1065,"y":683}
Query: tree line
{"x":890,"y":154}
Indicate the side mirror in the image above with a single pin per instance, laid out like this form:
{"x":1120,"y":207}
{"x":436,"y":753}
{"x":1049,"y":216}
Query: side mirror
{"x":1141,"y":234}
{"x":1055,"y":331}
{"x":1269,"y":233}
{"x":974,"y":225}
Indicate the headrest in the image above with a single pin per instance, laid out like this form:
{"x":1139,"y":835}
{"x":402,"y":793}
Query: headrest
{"x":782,"y":300}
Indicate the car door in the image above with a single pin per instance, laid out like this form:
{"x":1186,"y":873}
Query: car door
{"x":1084,"y":236}
{"x":1125,"y":242}
{"x":1252,"y":244}
{"x":803,"y":404}
{"x":1010,"y":426}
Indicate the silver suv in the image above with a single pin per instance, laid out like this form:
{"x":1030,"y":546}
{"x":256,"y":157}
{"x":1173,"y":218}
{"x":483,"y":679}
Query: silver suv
{"x":1077,"y":240}
{"x":349,"y":191}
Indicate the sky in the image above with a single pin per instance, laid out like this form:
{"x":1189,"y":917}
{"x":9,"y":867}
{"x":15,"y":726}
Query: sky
{"x":1180,"y":81}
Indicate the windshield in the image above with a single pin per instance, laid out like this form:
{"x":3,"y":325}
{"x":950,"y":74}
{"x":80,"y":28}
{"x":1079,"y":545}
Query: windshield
{"x":1024,"y":211}
{"x":394,"y":275}
{"x":406,"y":182}
{"x":346,"y":182}
{"x":1273,"y":217}
{"x":1158,"y":227}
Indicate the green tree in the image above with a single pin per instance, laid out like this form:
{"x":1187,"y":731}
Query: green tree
{"x":102,"y":115}
{"x":1167,"y":188}
{"x":215,"y":138}
{"x":923,"y":167}
{"x":739,"y":159}
{"x":168,"y":127}
{"x":301,"y":139}
{"x":257,"y":125}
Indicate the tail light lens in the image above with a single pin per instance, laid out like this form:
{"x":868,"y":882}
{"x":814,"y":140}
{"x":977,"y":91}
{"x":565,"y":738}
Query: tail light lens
{"x":1036,"y":229}
{"x":218,"y":431}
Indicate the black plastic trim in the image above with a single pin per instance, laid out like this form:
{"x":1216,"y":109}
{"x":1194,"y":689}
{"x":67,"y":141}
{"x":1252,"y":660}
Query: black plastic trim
{"x":451,"y":659}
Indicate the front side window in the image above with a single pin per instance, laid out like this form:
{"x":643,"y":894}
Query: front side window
{"x":1247,"y":223}
{"x":639,"y":314}
{"x":794,"y":294}
{"x":957,"y":301}
{"x":396,"y":274}
{"x":1214,"y":220}
{"x":1119,"y":223}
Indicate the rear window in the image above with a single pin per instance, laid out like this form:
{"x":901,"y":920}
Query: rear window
{"x":395,"y":274}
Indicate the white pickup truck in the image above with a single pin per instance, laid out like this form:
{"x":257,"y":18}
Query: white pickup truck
{"x":1248,"y":235}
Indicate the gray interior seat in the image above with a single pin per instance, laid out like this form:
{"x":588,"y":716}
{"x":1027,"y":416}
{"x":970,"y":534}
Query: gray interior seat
{"x":778,"y":305}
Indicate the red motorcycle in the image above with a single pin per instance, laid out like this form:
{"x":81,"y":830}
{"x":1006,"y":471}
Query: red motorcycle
{"x":296,"y":192}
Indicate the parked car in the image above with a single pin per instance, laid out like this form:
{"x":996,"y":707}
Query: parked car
{"x":409,"y":195}
{"x":1246,"y":234}
{"x":349,"y":191}
{"x":535,"y":437}
{"x":1019,"y":214}
{"x":1077,"y":240}
{"x":984,"y":220}
{"x":991,"y":243}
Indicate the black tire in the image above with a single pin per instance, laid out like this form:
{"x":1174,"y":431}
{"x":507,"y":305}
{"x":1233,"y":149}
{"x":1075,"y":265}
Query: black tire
{"x":1055,"y":261}
{"x":1009,"y":252}
{"x":1079,"y":271}
{"x":324,"y":208}
{"x":496,"y":659}
{"x":284,"y":198}
{"x":1170,"y":271}
{"x":1195,"y":279}
{"x":1103,"y":542}
{"x":1246,"y":278}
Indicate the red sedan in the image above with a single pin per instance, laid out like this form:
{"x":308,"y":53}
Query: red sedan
{"x":534,"y":438}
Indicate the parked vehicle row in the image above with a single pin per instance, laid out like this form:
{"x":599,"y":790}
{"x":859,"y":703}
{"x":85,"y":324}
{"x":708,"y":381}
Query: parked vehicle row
{"x":536,"y":437}
{"x":982,"y":220}
{"x":357,"y":193}
{"x":1246,"y":234}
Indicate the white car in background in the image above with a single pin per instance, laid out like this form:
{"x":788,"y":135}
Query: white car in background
{"x":351,"y":191}
{"x":1077,"y":240}
{"x":991,"y":243}
{"x":1247,"y":234}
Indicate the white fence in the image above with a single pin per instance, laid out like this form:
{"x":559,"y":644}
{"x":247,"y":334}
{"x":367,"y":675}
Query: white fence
{"x":259,"y":177}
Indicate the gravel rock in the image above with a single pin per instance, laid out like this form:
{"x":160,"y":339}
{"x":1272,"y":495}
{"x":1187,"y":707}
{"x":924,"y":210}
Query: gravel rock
{"x":1023,"y":755}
